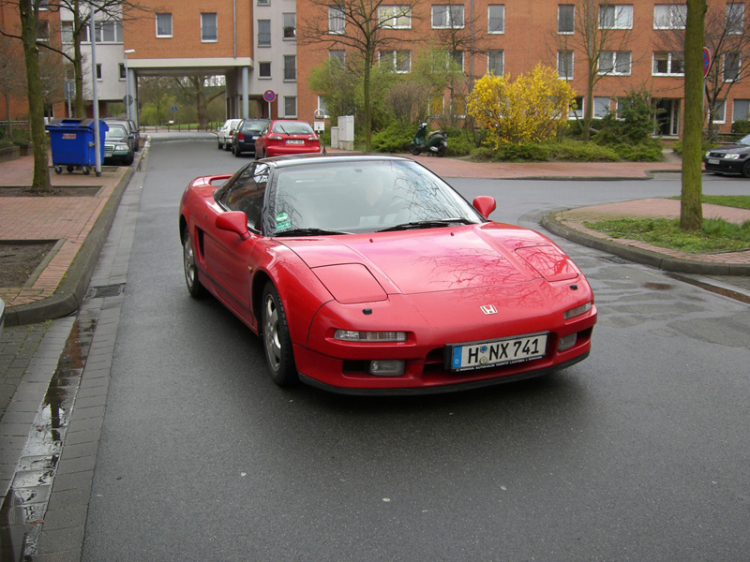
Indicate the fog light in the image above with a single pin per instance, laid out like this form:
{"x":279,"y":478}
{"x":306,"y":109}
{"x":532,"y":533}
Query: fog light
{"x":387,"y":368}
{"x":567,"y":342}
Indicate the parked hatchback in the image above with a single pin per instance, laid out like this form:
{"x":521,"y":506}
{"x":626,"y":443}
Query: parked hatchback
{"x":225,"y":135}
{"x":247,"y":131}
{"x":286,"y":137}
{"x":730,"y":159}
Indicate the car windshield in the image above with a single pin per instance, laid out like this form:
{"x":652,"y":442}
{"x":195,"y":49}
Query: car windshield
{"x":362,"y":196}
{"x":253,"y":126}
{"x":744,"y":140}
{"x":292,"y":128}
{"x":116,"y":132}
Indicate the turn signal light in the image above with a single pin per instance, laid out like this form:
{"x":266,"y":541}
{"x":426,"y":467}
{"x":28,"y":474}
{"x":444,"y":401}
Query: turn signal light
{"x":352,"y":335}
{"x":577,"y":311}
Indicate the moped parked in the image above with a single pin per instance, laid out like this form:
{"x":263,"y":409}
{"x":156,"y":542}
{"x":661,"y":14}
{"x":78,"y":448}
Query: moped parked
{"x":434,"y":143}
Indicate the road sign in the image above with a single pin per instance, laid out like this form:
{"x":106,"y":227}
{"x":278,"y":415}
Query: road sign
{"x":269,"y":95}
{"x":174,"y":109}
{"x":706,"y":60}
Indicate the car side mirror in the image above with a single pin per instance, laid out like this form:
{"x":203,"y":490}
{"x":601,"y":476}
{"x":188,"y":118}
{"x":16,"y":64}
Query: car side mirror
{"x":485,"y":205}
{"x":234,"y":221}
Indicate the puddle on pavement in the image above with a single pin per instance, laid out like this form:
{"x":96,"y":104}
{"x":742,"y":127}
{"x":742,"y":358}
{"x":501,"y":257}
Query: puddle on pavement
{"x":26,"y":503}
{"x":658,"y":286}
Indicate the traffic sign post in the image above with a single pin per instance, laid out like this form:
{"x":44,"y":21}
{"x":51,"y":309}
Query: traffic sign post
{"x":706,"y":66}
{"x":269,"y":96}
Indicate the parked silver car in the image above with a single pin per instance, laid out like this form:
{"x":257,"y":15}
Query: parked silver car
{"x":2,"y":317}
{"x":225,"y":135}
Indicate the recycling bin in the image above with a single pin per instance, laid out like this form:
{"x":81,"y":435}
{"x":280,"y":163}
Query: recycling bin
{"x":72,"y":143}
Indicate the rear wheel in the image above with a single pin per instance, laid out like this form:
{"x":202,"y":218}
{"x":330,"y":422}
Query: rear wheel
{"x":276,"y":340}
{"x":221,"y":146}
{"x":441,"y":150}
{"x":237,"y":152}
{"x":746,"y":169}
{"x":194,"y":286}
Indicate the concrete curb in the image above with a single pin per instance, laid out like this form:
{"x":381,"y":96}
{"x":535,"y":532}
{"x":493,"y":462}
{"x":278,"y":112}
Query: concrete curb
{"x":69,"y":294}
{"x":640,"y":255}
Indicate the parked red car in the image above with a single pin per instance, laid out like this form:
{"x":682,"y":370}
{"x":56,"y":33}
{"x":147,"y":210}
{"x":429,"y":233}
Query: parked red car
{"x":284,"y":137}
{"x":370,"y":274}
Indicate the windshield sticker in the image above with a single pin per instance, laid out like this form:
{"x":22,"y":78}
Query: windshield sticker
{"x":283,"y":222}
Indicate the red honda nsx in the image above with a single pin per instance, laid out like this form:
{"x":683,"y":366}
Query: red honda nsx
{"x":371,"y":275}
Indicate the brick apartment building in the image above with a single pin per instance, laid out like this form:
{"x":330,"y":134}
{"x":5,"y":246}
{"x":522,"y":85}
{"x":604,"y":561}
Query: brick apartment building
{"x":257,"y":46}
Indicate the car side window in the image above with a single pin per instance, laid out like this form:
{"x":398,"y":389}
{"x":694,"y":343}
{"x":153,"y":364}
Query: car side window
{"x":247,"y":192}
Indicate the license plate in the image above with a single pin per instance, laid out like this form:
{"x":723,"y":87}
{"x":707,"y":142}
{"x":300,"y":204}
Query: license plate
{"x":468,"y":356}
{"x":108,"y":155}
{"x":293,"y":141}
{"x":713,"y":160}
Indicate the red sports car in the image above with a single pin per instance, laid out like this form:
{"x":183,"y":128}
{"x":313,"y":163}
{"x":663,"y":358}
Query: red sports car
{"x":282,"y":138}
{"x":370,"y":274}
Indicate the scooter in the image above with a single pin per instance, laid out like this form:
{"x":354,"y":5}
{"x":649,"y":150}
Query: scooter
{"x":434,"y":143}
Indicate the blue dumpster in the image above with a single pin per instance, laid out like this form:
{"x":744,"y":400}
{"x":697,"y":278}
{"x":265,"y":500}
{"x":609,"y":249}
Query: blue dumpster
{"x":72,"y":142}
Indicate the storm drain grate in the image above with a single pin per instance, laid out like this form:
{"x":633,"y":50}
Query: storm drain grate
{"x":105,"y":291}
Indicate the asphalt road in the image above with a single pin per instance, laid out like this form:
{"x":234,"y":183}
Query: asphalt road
{"x":639,"y":453}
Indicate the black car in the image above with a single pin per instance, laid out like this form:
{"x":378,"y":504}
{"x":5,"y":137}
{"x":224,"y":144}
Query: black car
{"x":247,"y":131}
{"x":132,"y":128}
{"x":730,"y":159}
{"x":118,"y":144}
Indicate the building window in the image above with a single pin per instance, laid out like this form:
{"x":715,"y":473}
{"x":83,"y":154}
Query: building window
{"x":290,"y":68}
{"x":618,"y":16}
{"x":336,"y":21}
{"x":264,"y":2}
{"x":66,"y":32}
{"x":123,"y":75}
{"x":98,"y":71}
{"x":614,"y":62}
{"x":496,"y":18}
{"x":337,"y":58}
{"x":290,"y":26}
{"x":264,"y":70}
{"x":601,"y":107}
{"x":322,"y":107}
{"x":397,"y":61}
{"x":496,"y":63}
{"x":670,"y":16}
{"x":719,"y":114}
{"x":164,"y":25}
{"x":741,"y":110}
{"x":209,"y":28}
{"x":669,"y":64}
{"x":264,"y":33}
{"x":436,"y":106}
{"x":576,"y":108}
{"x":290,"y":106}
{"x":43,"y":5}
{"x":458,"y":106}
{"x":458,"y":56}
{"x":109,"y":31}
{"x":566,"y":19}
{"x":42,"y":31}
{"x":735,"y":23}
{"x":447,"y":17}
{"x":731,"y":67}
{"x":395,"y":17}
{"x":565,"y":64}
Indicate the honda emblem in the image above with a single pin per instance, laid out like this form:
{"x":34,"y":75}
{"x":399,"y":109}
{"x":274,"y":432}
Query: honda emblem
{"x":489,"y":309}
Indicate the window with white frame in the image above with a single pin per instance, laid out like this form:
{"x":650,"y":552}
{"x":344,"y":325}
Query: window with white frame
{"x":290,"y":68}
{"x":209,"y":28}
{"x":669,"y":64}
{"x":264,"y":2}
{"x":264,"y":33}
{"x":496,"y":62}
{"x":397,"y":61}
{"x":458,"y":56}
{"x":719,"y":114}
{"x":66,"y":32}
{"x":616,"y":16}
{"x":43,"y":5}
{"x":98,"y":71}
{"x":615,"y":62}
{"x":123,"y":72}
{"x":565,"y":64}
{"x":395,"y":17}
{"x":164,"y":25}
{"x":290,"y":25}
{"x":496,"y":18}
{"x":566,"y":19}
{"x":290,"y":106}
{"x":741,"y":111}
{"x":601,"y":107}
{"x":735,"y":22}
{"x":576,"y":108}
{"x":731,"y":67}
{"x":337,"y":57}
{"x":264,"y":70}
{"x":109,"y":31}
{"x":447,"y":16}
{"x":336,"y":21}
{"x":322,"y":106}
{"x":670,"y":16}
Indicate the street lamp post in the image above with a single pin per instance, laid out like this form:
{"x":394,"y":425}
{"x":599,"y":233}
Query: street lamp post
{"x":128,"y":97}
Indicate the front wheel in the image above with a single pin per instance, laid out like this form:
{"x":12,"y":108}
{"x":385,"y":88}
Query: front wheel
{"x":414,"y":150}
{"x":194,"y":286}
{"x":277,"y":342}
{"x":746,"y":169}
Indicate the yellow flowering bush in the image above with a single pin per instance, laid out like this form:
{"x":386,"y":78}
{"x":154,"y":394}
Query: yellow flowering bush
{"x":532,"y":108}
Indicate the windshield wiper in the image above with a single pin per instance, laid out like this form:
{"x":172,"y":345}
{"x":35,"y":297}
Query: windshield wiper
{"x":435,"y":223}
{"x":307,"y":232}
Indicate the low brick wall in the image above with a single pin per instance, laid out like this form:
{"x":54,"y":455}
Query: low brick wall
{"x":10,"y":153}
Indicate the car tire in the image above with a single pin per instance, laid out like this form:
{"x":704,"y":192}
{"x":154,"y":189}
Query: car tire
{"x":237,"y":151}
{"x":194,"y":286}
{"x":746,"y":168}
{"x":414,"y":151}
{"x":277,"y":343}
{"x":221,"y":146}
{"x":129,"y":160}
{"x":442,"y":150}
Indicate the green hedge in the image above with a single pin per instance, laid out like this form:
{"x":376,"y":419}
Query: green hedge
{"x":741,"y":127}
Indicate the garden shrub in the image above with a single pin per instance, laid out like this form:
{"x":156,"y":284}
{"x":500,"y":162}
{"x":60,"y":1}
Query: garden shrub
{"x":741,"y":127}
{"x":395,"y":138}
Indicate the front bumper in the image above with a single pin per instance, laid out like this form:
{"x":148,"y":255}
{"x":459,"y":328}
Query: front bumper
{"x":723,"y":165}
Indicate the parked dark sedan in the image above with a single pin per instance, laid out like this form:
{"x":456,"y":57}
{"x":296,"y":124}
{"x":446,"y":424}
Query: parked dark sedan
{"x":118,"y":145}
{"x":132,"y":129}
{"x":247,"y":131}
{"x":730,"y":159}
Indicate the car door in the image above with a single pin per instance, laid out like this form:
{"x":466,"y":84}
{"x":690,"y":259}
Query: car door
{"x":229,"y":259}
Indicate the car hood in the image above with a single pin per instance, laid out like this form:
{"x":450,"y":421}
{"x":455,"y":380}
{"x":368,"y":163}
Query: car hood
{"x":731,"y":149}
{"x":363,"y":267}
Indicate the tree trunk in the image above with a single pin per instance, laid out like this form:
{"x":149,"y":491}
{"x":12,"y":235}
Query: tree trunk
{"x":79,"y":108}
{"x":41,"y":182}
{"x":691,"y":208}
{"x":368,"y":109}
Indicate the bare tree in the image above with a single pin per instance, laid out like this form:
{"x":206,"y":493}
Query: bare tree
{"x":363,"y":28}
{"x":12,"y":73}
{"x":594,"y":29}
{"x":194,"y":88}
